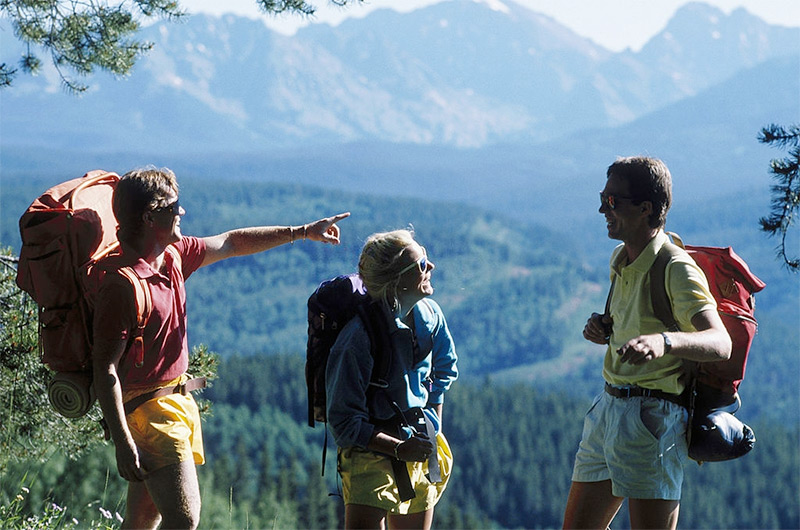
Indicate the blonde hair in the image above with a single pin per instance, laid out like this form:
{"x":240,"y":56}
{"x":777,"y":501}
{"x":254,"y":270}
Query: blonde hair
{"x":140,"y":191}
{"x":379,"y":265}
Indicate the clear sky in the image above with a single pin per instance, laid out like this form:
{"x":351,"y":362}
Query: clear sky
{"x":614,"y":24}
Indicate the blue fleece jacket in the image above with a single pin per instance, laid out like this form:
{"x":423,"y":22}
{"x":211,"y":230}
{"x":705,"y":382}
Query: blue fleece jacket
{"x":350,"y":368}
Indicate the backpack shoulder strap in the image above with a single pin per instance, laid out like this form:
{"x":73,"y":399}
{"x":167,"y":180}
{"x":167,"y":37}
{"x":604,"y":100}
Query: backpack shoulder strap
{"x":380,"y":343}
{"x":144,"y":307}
{"x":662,"y":305}
{"x":176,"y":256}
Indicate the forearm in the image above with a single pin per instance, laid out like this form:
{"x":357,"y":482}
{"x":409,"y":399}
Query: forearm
{"x":701,"y":346}
{"x":109,"y":395}
{"x":383,"y":443}
{"x":245,"y":241}
{"x":438,"y":409}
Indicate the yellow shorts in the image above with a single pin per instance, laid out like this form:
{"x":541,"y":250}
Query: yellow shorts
{"x":167,"y":431}
{"x":367,"y":479}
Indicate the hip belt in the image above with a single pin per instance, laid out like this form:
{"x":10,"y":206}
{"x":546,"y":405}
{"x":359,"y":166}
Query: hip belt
{"x":189,"y":386}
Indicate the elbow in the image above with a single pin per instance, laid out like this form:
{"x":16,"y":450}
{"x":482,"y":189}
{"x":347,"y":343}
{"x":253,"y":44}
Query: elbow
{"x":725,"y":347}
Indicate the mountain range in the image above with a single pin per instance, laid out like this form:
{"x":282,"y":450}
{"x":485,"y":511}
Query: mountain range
{"x":456,"y":74}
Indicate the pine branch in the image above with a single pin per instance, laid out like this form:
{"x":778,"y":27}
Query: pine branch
{"x":785,"y":202}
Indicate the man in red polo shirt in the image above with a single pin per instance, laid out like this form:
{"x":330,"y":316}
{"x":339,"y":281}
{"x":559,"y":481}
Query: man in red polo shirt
{"x":153,"y":421}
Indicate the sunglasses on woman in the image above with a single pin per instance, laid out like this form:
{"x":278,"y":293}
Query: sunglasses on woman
{"x":422,"y":263}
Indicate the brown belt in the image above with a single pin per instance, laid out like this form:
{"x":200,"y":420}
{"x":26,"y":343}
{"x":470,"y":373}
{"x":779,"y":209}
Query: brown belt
{"x":189,"y":386}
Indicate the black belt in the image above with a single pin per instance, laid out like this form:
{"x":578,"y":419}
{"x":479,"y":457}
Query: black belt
{"x":637,"y":391}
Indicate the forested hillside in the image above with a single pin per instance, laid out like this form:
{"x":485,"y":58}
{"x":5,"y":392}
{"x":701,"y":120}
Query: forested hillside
{"x":513,"y":449}
{"x":516,"y":296}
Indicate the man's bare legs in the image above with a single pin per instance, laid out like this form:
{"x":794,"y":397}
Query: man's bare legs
{"x":592,"y":505}
{"x":170,"y":495}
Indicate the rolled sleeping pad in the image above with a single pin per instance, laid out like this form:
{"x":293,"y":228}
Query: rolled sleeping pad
{"x":71,"y":393}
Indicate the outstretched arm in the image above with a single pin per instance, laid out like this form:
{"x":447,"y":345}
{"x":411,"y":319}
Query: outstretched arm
{"x":244,"y":241}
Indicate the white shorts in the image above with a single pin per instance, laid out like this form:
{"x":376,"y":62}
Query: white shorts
{"x":638,"y":443}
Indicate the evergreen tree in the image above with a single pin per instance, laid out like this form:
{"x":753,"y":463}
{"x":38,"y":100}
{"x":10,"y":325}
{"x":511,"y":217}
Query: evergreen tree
{"x":83,"y":36}
{"x":786,"y":193}
{"x":30,"y":427}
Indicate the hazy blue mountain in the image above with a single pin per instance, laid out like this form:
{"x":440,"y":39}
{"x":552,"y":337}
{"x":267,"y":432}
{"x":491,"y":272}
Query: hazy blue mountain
{"x":456,"y":74}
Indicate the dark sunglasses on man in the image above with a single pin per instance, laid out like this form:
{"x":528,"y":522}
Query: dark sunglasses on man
{"x":174,"y":208}
{"x":609,"y":200}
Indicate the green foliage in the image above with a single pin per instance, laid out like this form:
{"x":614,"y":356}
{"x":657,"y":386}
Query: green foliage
{"x":62,"y":492}
{"x":31,"y":428}
{"x":81,"y":36}
{"x":786,"y":193}
{"x":203,"y":363}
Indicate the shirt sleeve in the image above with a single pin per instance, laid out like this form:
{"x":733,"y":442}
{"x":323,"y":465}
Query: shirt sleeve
{"x":347,"y":377}
{"x":115,"y":309}
{"x":193,"y":252}
{"x":443,"y":364}
{"x":688,"y":290}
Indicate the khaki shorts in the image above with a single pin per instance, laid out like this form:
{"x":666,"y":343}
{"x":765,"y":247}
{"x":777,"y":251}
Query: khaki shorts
{"x":167,"y":431}
{"x":367,"y":479}
{"x":638,"y":443}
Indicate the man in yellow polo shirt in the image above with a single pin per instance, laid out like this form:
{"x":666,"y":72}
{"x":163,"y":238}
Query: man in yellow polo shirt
{"x":634,"y":436}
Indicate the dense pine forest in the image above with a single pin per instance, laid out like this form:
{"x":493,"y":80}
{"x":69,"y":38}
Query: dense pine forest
{"x":515,"y":296}
{"x":513,"y":448}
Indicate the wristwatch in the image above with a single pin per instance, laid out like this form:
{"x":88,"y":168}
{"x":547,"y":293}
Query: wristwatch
{"x":667,"y":343}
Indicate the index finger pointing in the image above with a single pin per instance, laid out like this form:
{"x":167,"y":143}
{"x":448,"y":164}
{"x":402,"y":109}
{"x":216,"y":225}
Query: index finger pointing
{"x":337,"y":218}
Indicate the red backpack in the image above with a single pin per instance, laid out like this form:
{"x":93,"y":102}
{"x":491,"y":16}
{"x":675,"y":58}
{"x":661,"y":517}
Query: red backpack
{"x":65,"y":233}
{"x":714,"y":433}
{"x":733,"y":287}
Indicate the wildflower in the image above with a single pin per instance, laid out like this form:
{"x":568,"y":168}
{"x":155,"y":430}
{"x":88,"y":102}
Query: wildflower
{"x":25,"y":489}
{"x":106,"y":513}
{"x":20,"y":498}
{"x":56,"y":508}
{"x":119,"y":517}
{"x":75,"y":521}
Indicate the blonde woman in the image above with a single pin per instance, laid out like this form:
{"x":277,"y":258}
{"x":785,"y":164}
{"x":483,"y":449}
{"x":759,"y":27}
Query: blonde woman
{"x":393,"y":458}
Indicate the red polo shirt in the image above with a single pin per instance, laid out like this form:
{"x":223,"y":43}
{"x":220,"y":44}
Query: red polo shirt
{"x":166,"y":354}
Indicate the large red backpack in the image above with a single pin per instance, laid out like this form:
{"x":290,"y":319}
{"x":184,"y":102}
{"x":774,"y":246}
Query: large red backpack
{"x":733,"y":287}
{"x":714,"y":433}
{"x":65,"y":233}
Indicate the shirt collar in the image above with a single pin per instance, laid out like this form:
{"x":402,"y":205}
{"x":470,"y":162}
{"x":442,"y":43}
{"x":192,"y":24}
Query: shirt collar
{"x":143,"y":269}
{"x":645,"y":260}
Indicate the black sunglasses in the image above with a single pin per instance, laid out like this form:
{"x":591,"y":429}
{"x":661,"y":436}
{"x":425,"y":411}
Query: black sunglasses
{"x":609,"y":200}
{"x":174,"y":208}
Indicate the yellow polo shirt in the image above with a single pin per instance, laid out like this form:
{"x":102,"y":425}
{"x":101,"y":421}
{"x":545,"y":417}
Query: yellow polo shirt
{"x":632,"y":313}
